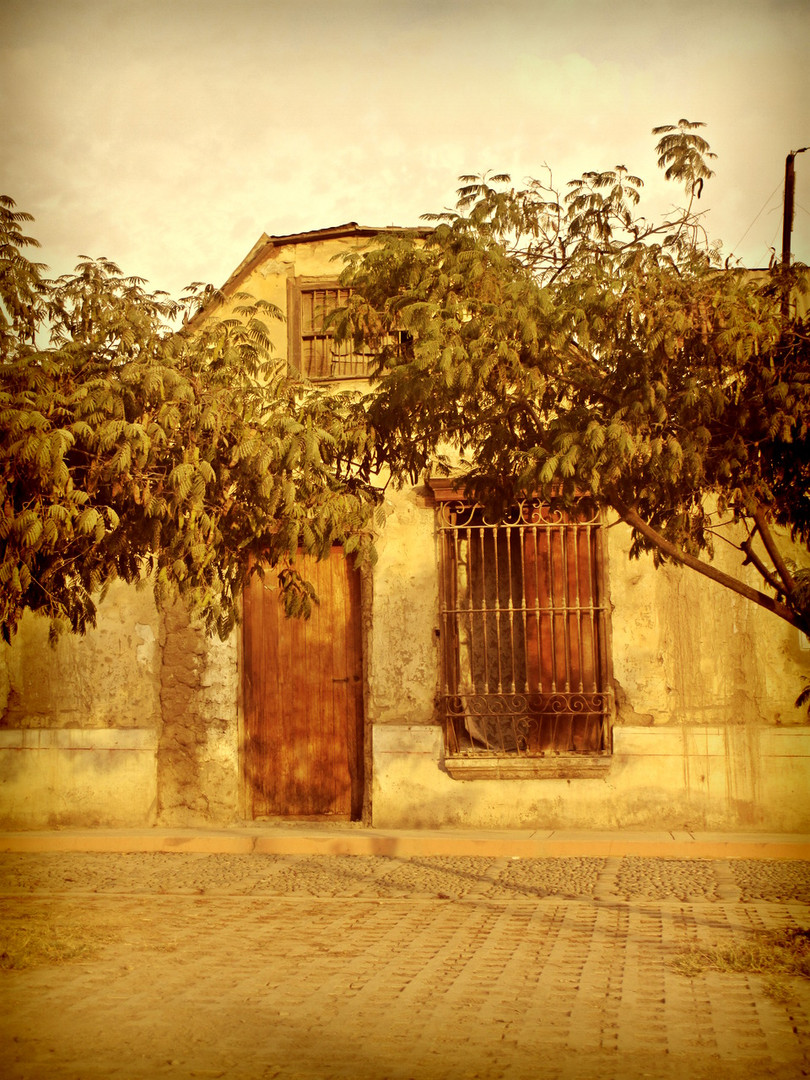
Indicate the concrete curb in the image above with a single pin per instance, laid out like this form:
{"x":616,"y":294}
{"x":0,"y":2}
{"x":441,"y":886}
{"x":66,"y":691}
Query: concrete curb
{"x":292,"y":840}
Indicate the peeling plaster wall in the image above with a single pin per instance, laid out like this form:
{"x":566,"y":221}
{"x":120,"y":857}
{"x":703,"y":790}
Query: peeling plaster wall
{"x":197,"y":760}
{"x":108,"y":678}
{"x":686,"y":650}
{"x":133,"y":724}
{"x":402,"y":647}
{"x":705,"y":736}
{"x":79,"y":720}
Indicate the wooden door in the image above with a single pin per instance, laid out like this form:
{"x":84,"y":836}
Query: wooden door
{"x":303,"y":697}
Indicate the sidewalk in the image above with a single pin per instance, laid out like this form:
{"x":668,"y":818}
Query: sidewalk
{"x":306,"y":838}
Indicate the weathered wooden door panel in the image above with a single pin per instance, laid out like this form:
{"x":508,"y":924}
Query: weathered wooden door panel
{"x":303,"y":697}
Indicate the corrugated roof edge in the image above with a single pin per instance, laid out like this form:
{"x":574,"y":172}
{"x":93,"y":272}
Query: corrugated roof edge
{"x":332,"y":232}
{"x":266,"y":243}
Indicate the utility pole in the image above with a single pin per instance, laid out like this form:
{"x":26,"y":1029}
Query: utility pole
{"x":787,"y":226}
{"x":787,"y":217}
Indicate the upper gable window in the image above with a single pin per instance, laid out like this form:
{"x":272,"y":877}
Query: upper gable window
{"x":312,"y":348}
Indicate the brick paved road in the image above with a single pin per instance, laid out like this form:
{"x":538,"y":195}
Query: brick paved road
{"x":369,"y":968}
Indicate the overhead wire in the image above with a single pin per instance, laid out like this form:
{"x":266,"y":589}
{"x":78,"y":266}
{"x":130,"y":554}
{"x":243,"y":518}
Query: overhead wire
{"x":758,"y":216}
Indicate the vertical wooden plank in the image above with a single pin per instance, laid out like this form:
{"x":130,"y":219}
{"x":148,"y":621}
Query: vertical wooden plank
{"x":340,"y":688}
{"x":531,"y":601}
{"x":573,"y":642}
{"x":450,"y":566}
{"x":588,"y":600}
{"x":288,"y":713}
{"x":559,"y":578}
{"x":261,"y":691}
{"x":294,"y":323}
{"x":273,"y":647}
{"x":355,"y":715}
{"x":249,"y":695}
{"x":306,"y":741}
{"x":327,"y":728}
{"x":255,"y":676}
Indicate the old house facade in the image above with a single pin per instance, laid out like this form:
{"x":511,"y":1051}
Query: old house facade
{"x":512,"y":674}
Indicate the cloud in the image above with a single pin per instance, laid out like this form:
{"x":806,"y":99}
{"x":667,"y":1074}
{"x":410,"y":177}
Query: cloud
{"x":168,"y":137}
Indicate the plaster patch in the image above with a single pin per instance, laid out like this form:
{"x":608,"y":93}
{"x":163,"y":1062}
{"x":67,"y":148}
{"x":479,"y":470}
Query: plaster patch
{"x":276,"y":266}
{"x":145,"y":651}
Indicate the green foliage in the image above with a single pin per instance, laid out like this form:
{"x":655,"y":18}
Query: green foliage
{"x":132,"y":449}
{"x":567,"y":344}
{"x":683,"y":155}
{"x":20,"y":310}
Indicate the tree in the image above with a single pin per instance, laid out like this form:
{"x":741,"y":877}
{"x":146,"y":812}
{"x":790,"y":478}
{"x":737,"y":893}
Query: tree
{"x":568,"y":346}
{"x":131,"y":448}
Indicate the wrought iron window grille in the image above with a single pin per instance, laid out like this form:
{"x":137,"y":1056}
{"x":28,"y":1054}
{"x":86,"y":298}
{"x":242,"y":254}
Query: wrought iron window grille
{"x":524,"y":626}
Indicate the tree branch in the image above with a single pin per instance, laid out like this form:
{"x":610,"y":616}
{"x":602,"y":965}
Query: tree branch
{"x":774,"y":552}
{"x":752,"y":557}
{"x":632,"y":518}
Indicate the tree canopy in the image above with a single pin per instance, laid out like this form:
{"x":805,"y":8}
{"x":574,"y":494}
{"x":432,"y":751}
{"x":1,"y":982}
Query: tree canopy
{"x":566,"y":345}
{"x":134,"y":445}
{"x":556,"y":344}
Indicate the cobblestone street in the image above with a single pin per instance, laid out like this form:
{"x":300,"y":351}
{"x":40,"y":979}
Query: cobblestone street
{"x":319,"y":967}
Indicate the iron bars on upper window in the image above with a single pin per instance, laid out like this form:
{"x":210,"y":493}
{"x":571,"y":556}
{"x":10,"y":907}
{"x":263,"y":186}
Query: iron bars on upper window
{"x":313,"y":351}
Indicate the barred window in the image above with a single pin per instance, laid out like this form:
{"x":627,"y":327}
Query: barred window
{"x":312,"y":348}
{"x":524,"y":632}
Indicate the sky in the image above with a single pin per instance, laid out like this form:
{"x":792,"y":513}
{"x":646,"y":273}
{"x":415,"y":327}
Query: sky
{"x":168,"y":135}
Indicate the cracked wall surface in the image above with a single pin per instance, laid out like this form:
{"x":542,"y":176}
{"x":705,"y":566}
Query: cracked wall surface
{"x":133,"y":724}
{"x":197,"y":760}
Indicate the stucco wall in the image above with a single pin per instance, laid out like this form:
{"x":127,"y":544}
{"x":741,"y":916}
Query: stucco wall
{"x":133,"y":724}
{"x":268,"y":280}
{"x":402,"y":643}
{"x":676,"y":777}
{"x":108,"y":678}
{"x":80,"y":777}
{"x":687,"y":650}
{"x":705,"y":735}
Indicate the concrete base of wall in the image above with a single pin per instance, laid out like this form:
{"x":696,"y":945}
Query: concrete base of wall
{"x":683,"y":777}
{"x":77,"y":777}
{"x":689,"y":777}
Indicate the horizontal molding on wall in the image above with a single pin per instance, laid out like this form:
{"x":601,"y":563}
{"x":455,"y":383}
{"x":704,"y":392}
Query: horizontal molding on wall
{"x":712,"y":740}
{"x":78,"y":739}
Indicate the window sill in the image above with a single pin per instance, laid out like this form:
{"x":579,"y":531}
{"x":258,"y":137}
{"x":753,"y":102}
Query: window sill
{"x":337,"y":378}
{"x":506,"y":767}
